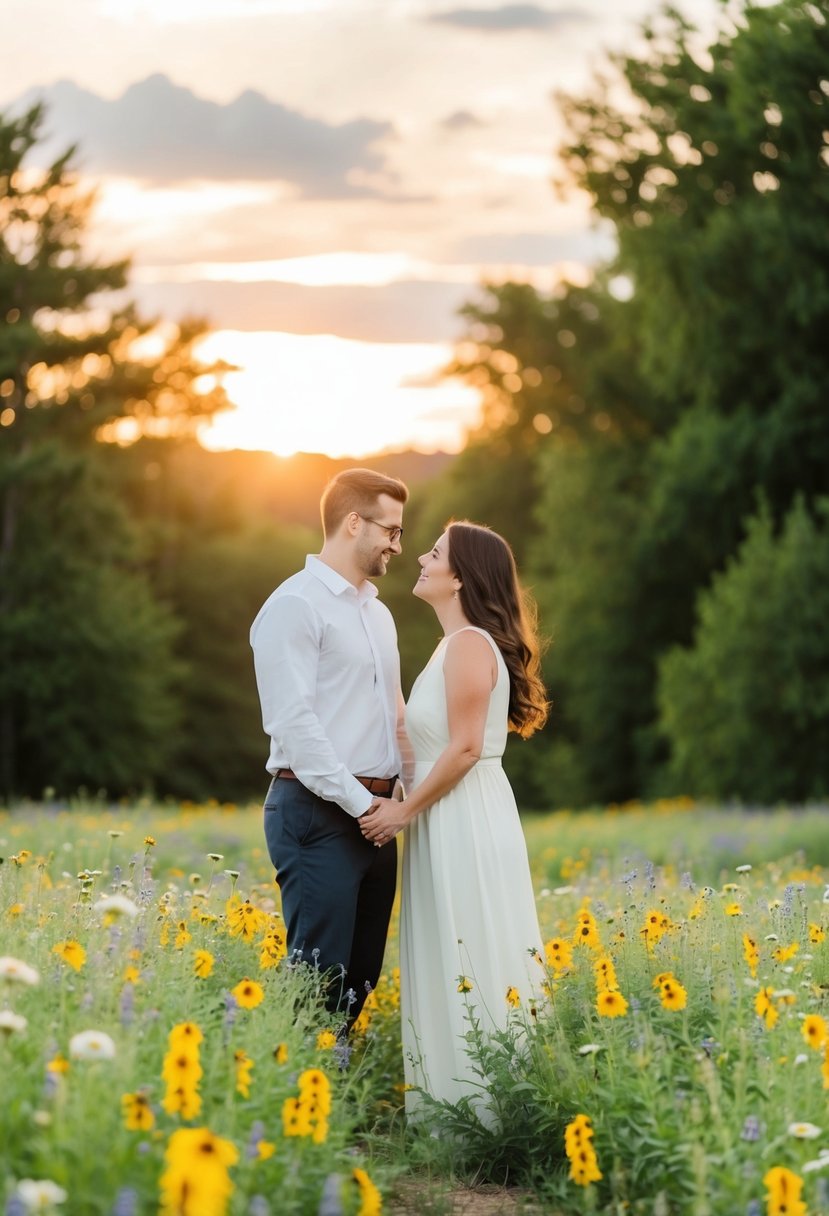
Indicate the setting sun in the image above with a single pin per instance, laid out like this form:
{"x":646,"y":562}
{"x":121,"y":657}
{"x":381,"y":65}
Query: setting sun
{"x":320,"y":393}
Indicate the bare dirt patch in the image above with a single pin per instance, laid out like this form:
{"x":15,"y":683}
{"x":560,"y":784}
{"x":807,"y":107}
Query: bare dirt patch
{"x":418,"y":1198}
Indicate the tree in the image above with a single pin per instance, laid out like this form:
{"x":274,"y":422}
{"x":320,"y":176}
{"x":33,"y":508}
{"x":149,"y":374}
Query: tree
{"x":716,"y":178}
{"x":696,"y":362}
{"x":85,"y":694}
{"x":746,"y":706}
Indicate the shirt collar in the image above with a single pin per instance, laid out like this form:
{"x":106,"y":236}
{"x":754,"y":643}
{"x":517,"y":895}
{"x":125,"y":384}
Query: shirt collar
{"x":335,"y":581}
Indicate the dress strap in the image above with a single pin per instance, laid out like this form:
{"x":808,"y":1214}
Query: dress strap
{"x":483,"y":633}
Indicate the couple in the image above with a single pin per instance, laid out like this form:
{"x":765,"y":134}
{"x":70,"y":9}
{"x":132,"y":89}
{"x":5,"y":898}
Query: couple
{"x":328,"y":673}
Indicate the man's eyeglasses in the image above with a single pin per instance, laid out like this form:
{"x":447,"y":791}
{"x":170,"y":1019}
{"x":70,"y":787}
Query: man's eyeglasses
{"x":393,"y":531}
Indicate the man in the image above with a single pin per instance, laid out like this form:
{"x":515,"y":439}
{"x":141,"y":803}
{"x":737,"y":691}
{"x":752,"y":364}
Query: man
{"x":328,"y":674}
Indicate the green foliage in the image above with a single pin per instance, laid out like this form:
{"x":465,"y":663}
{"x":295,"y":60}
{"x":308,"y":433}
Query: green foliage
{"x":136,"y":983}
{"x":690,"y":1107}
{"x":646,"y":412}
{"x":215,"y":589}
{"x":746,"y":706}
{"x":86,"y":692}
{"x":86,"y":675}
{"x":691,"y":1104}
{"x":589,"y":592}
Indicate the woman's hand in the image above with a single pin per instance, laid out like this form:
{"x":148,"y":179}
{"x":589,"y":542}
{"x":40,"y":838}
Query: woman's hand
{"x":383,"y":820}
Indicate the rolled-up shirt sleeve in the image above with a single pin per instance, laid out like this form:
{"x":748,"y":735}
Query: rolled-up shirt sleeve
{"x":286,"y":648}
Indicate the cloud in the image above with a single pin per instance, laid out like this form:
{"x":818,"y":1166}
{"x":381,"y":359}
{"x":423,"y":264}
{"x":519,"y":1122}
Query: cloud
{"x":535,"y":248}
{"x":461,"y":120}
{"x":399,"y":312}
{"x":164,"y":134}
{"x":507,"y":18}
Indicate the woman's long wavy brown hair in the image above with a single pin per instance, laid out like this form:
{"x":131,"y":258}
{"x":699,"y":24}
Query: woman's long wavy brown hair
{"x":492,"y":598}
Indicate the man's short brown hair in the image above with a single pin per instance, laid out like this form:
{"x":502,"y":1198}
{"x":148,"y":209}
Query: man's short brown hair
{"x":356,"y":490}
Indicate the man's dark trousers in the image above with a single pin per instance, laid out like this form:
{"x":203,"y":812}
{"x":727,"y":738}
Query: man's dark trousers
{"x":337,"y":889}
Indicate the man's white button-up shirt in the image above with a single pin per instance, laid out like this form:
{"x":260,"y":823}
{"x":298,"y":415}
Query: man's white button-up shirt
{"x":328,"y":673}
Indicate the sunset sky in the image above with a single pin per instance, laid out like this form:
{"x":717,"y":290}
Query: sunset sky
{"x":326,"y":181}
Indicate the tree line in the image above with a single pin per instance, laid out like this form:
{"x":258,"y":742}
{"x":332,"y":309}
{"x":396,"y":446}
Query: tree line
{"x":655,"y":446}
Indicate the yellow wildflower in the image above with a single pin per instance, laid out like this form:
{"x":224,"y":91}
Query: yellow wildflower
{"x":196,"y":1181}
{"x":764,"y":1008}
{"x":673,"y":995}
{"x":138,"y":1115}
{"x":273,"y":948}
{"x":611,"y":1005}
{"x":244,"y":1067}
{"x":655,"y":927}
{"x":371,"y":1201}
{"x":587,"y":931}
{"x":578,"y":1145}
{"x":605,"y":974}
{"x":244,"y":920}
{"x":295,"y":1118}
{"x":559,"y":954}
{"x":185,"y":1034}
{"x":203,"y":964}
{"x":183,"y":936}
{"x":751,"y":953}
{"x":784,"y":1189}
{"x":72,"y":953}
{"x":248,"y":994}
{"x":815,"y":1030}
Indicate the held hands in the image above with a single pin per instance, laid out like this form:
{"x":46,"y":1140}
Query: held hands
{"x":383,"y":820}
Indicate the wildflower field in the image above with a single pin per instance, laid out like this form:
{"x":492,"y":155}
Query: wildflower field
{"x":161,"y":1055}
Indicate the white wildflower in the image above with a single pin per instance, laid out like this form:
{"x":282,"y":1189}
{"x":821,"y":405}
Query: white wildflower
{"x":10,"y":1021}
{"x":803,"y":1131}
{"x":14,"y":969}
{"x":40,"y":1195}
{"x":821,"y":1163}
{"x":91,"y":1045}
{"x":117,"y":905}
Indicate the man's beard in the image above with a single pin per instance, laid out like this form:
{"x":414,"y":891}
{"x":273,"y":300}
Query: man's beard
{"x":372,"y":564}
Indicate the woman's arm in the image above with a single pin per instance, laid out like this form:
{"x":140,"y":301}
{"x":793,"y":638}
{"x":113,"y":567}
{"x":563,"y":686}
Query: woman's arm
{"x":404,"y":747}
{"x":470,"y":672}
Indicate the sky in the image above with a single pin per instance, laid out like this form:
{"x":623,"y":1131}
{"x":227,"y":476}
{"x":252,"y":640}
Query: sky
{"x":325,"y":181}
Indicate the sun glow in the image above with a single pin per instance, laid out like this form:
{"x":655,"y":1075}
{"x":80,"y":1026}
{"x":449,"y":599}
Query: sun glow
{"x":319,"y":393}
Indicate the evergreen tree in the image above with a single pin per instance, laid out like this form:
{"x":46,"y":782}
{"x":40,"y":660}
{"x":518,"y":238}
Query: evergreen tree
{"x":85,"y":650}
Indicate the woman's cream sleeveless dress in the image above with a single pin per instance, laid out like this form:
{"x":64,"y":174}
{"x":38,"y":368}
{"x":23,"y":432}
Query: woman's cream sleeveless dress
{"x":468,"y":908}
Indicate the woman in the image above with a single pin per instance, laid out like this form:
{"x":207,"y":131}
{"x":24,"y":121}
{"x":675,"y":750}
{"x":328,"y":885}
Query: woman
{"x":468,"y":918}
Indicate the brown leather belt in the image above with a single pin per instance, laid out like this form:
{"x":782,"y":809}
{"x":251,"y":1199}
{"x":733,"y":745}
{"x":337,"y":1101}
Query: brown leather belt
{"x":375,"y":785}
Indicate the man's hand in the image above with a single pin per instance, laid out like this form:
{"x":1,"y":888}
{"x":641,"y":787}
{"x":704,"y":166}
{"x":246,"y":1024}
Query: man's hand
{"x":383,"y":820}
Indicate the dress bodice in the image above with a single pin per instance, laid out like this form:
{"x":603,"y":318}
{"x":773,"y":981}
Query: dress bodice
{"x":426,"y":717}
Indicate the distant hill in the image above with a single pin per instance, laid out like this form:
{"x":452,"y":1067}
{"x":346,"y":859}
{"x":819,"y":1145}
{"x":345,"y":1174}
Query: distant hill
{"x":288,"y":488}
{"x":181,"y":477}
